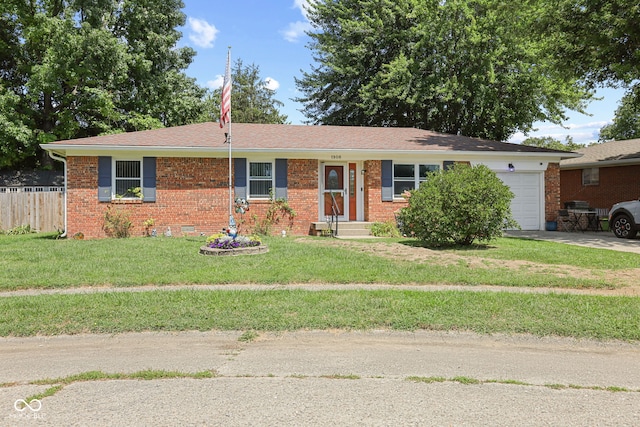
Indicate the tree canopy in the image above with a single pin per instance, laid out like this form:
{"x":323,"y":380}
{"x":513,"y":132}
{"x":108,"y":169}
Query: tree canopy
{"x":554,"y":144}
{"x":77,"y":68}
{"x":470,"y":67}
{"x":251,"y":100}
{"x":597,"y":40}
{"x":626,"y":123}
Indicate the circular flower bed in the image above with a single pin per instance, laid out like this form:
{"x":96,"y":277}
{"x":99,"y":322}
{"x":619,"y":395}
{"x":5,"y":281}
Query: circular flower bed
{"x":223,"y":244}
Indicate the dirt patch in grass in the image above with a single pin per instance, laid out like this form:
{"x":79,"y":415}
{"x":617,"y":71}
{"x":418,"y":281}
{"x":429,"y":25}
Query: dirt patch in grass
{"x":624,"y":282}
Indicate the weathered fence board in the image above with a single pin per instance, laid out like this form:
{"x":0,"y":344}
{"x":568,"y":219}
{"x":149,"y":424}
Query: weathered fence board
{"x":42,"y":211}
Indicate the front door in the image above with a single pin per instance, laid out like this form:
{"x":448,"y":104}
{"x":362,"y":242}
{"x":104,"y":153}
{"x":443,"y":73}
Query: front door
{"x":334,"y":190}
{"x":353,"y":214}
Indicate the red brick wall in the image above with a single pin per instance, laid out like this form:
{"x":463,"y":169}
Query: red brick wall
{"x":552,"y":191}
{"x":374,"y":208}
{"x":617,"y":184}
{"x":189,"y":192}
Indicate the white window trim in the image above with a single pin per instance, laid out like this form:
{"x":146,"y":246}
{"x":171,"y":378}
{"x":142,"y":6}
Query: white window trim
{"x":273,"y":177}
{"x":114,"y":178}
{"x":417,"y":179}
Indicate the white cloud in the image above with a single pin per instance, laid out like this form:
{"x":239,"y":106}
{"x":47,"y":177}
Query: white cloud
{"x":296,"y":30}
{"x":202,"y":33}
{"x":303,"y":5}
{"x":272,"y":84}
{"x":216,"y":83}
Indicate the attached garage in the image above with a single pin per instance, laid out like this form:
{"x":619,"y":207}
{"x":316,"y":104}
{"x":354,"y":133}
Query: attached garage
{"x":528,"y":200}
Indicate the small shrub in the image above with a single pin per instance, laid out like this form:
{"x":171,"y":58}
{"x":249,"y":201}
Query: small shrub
{"x":384,"y":229}
{"x":458,"y":206}
{"x":19,"y":230}
{"x":116,"y":223}
{"x":278,"y":210}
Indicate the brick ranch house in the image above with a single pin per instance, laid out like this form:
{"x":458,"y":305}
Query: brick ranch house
{"x":605,"y":174}
{"x":183,"y":172}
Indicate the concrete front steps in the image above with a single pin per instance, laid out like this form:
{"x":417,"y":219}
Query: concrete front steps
{"x":352,"y":229}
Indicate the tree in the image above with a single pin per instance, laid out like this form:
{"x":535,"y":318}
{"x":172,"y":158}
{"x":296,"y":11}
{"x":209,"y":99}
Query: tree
{"x":552,"y":143}
{"x":460,"y":205}
{"x":626,"y":123}
{"x":460,"y":67}
{"x":598,"y":40}
{"x":251,"y":100}
{"x":77,"y":68}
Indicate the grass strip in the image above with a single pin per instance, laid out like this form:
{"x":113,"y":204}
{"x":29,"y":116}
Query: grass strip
{"x":475,"y":381}
{"x":582,"y":316}
{"x":147,"y":375}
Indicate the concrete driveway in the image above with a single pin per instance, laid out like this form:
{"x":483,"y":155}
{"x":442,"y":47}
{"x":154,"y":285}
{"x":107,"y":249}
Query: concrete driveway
{"x":601,"y":239}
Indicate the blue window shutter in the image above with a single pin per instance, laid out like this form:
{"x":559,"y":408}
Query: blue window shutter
{"x":387,"y":181}
{"x":240,"y":177}
{"x":281,"y":179}
{"x":104,"y":178}
{"x":149,"y":179}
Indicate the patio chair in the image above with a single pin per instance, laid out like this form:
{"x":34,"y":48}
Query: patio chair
{"x":565,"y":221}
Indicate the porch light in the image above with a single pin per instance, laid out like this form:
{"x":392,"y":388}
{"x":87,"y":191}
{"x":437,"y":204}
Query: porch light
{"x":363,"y":171}
{"x":511,"y":167}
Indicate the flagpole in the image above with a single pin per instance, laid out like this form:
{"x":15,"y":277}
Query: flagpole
{"x":225,"y":117}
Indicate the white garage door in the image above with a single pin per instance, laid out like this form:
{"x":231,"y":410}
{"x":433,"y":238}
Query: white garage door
{"x":525,"y":206}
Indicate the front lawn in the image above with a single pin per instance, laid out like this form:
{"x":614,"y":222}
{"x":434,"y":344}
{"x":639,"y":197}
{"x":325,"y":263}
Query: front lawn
{"x":38,"y":261}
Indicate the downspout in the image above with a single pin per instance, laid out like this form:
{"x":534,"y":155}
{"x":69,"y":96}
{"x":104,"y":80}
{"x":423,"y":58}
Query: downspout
{"x":64,"y":161}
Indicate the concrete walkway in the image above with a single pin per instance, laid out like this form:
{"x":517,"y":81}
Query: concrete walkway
{"x":601,"y":239}
{"x":320,"y":378}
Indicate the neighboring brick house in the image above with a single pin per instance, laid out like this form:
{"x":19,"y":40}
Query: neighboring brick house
{"x":605,"y":174}
{"x":183,"y":173}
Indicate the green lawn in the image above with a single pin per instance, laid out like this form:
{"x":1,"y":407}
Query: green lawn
{"x":39,"y":261}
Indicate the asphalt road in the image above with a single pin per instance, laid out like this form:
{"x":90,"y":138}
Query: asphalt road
{"x":324,"y":378}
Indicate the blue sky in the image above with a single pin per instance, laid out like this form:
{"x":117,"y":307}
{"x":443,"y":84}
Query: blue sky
{"x":271,"y":35}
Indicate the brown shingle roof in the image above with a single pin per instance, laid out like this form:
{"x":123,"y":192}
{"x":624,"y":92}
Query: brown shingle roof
{"x":297,"y":137}
{"x":606,"y":154}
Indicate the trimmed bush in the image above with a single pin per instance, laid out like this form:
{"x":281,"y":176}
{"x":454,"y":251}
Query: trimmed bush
{"x":458,"y":206}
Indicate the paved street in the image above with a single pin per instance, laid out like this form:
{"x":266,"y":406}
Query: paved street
{"x":324,"y":378}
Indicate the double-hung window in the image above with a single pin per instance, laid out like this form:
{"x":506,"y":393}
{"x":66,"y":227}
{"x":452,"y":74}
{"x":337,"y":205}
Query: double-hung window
{"x":128,"y":179}
{"x":260,"y":179}
{"x":591,"y":176}
{"x":407,"y":176}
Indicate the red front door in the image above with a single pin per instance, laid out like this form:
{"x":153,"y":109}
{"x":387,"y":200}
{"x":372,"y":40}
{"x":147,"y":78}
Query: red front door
{"x":352,"y":192}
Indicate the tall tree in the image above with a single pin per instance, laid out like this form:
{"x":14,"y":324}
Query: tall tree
{"x":598,"y":40}
{"x":626,"y":123}
{"x":554,"y":144}
{"x":251,"y":100}
{"x":465,"y":67}
{"x":76,"y":68}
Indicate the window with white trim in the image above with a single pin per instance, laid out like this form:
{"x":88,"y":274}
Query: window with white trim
{"x":128,"y":179}
{"x":591,"y":176}
{"x":407,"y":177}
{"x":260,"y":179}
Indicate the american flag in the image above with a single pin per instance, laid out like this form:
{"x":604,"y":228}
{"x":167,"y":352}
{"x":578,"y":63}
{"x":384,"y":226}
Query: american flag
{"x":225,"y":103}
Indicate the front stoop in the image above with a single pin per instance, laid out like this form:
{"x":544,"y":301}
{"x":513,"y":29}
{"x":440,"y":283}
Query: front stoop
{"x":352,"y":229}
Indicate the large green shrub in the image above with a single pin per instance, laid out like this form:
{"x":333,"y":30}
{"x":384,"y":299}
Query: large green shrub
{"x":458,"y":206}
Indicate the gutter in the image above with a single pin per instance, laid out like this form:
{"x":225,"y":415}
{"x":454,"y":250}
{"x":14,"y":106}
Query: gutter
{"x":64,"y":161}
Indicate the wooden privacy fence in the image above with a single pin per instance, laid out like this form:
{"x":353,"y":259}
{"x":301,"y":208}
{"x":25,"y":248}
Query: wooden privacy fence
{"x":42,"y":208}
